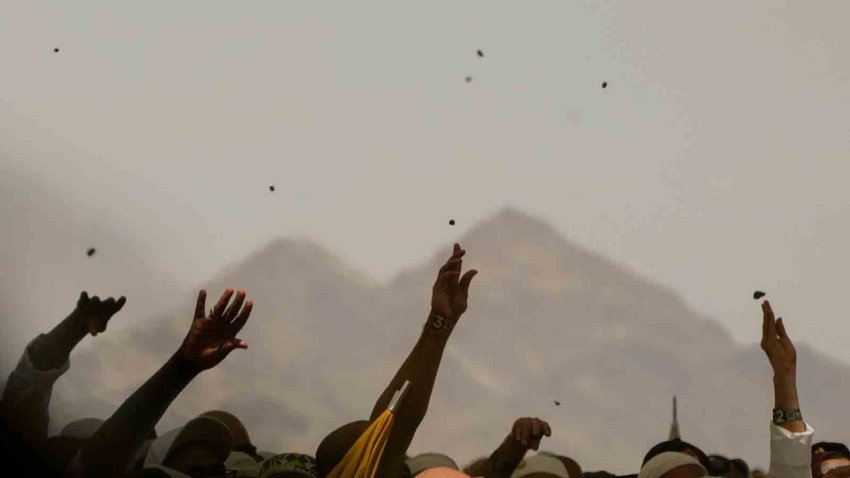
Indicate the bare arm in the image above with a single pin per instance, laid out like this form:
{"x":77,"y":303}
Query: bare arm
{"x":525,"y":435}
{"x":448,"y":303}
{"x":782,"y":355}
{"x":209,"y":341}
{"x":791,"y":441}
{"x":26,"y":398}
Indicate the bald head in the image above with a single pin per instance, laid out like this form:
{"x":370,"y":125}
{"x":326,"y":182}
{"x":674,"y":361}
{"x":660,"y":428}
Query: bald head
{"x":334,"y":447}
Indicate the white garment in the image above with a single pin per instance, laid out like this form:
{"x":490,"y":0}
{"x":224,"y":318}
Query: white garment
{"x":244,"y":464}
{"x":790,"y":453}
{"x":26,"y":398}
{"x":667,"y":461}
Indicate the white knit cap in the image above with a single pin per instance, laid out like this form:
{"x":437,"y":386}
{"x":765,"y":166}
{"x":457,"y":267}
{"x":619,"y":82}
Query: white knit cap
{"x":541,"y":463}
{"x":664,"y":462}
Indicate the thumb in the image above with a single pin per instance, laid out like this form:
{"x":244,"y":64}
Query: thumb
{"x":232,"y":344}
{"x":466,"y":279}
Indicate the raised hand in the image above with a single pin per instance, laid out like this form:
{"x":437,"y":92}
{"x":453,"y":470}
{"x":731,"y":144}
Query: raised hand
{"x":96,"y":313}
{"x":211,"y":338}
{"x":530,"y":431}
{"x":777,"y":345}
{"x":450,"y":291}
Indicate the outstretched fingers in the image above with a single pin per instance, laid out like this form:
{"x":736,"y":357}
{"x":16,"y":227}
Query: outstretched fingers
{"x":218,"y":310}
{"x":233,"y":310}
{"x":120,"y":303}
{"x":200,"y":305}
{"x":242,"y":318}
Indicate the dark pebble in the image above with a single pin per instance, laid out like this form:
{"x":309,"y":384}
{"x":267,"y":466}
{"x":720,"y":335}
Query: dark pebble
{"x":604,"y":84}
{"x":271,"y":188}
{"x":90,"y":252}
{"x":480,"y":53}
{"x":451,"y":222}
{"x":557,"y":403}
{"x":55,"y":50}
{"x":468,"y":79}
{"x":758,"y":295}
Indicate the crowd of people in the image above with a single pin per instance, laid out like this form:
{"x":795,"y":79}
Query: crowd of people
{"x":217,"y":444}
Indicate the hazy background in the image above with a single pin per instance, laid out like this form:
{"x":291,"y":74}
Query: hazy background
{"x":713,"y":164}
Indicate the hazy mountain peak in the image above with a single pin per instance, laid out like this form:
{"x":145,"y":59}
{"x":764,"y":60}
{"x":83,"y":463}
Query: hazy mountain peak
{"x":297,"y":257}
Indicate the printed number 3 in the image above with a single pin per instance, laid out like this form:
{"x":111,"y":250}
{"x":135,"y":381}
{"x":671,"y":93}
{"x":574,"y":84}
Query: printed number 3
{"x":442,"y":323}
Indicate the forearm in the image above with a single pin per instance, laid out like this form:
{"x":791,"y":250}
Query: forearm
{"x":420,"y":368}
{"x":505,"y":459}
{"x":785,"y":397}
{"x":110,"y":450}
{"x":54,"y":348}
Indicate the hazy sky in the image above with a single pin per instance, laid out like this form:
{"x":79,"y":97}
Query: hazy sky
{"x":715,"y":161}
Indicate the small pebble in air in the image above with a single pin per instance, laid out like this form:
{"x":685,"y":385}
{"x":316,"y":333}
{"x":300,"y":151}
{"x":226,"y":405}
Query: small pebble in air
{"x":468,"y":79}
{"x":90,"y":252}
{"x":480,"y":54}
{"x":758,"y":295}
{"x":451,"y":222}
{"x":55,"y":50}
{"x":557,"y":403}
{"x":271,"y":188}
{"x":604,"y":84}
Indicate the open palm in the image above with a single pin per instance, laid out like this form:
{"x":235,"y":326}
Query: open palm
{"x":211,"y":338}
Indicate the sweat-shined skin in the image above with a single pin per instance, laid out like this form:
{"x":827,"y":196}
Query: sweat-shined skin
{"x":210,"y":339}
{"x":448,"y":303}
{"x":26,"y":397}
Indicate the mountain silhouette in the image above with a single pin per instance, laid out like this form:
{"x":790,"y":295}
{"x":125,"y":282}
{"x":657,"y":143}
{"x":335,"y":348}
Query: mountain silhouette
{"x":547,"y":321}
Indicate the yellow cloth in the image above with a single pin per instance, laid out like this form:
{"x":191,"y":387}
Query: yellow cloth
{"x":363,"y":458}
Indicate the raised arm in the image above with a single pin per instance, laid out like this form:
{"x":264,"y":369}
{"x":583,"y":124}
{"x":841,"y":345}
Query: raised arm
{"x":210,"y":339}
{"x":26,"y":397}
{"x":790,"y":436}
{"x":525,"y":435}
{"x":448,"y":302}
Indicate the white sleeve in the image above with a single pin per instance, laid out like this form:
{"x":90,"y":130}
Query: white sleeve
{"x":790,"y":453}
{"x":26,"y":397}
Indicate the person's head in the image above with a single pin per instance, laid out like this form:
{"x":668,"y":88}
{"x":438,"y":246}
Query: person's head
{"x":827,"y":456}
{"x":83,"y":428}
{"x":726,"y":468}
{"x":672,"y":464}
{"x":334,"y":447}
{"x":241,"y":439}
{"x":424,"y":461}
{"x":198,"y":449}
{"x":442,"y":472}
{"x":679,"y":446}
{"x":542,"y":465}
{"x":573,"y":468}
{"x":289,"y":465}
{"x":598,"y":474}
